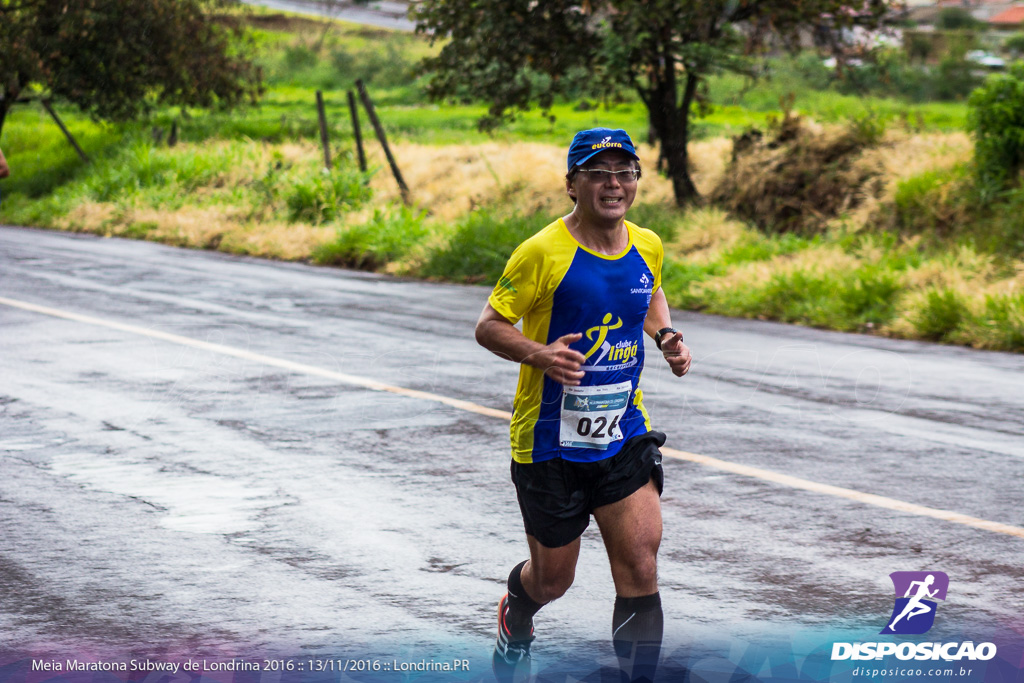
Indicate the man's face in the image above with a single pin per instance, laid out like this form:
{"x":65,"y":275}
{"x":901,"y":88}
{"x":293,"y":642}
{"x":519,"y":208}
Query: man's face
{"x":603,"y":200}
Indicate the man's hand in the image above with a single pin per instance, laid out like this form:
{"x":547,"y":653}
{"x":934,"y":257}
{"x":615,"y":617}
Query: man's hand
{"x":499,"y":336}
{"x":559,"y":362}
{"x":677,"y":354}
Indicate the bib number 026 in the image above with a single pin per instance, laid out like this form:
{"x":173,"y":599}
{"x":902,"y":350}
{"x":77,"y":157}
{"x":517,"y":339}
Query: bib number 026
{"x":597,"y":427}
{"x":590,"y":415}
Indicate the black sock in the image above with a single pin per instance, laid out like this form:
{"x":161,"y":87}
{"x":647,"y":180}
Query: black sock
{"x":521,"y":607}
{"x":637,"y":627}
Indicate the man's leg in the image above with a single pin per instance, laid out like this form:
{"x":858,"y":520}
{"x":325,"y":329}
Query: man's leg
{"x":532,"y":584}
{"x":550,"y":571}
{"x":535,"y":582}
{"x":631,"y":529}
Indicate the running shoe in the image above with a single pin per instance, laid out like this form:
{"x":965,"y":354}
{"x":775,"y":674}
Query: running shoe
{"x":511,"y":661}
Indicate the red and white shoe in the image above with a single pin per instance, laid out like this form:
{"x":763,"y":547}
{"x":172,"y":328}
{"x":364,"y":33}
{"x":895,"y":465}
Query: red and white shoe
{"x":511,"y":661}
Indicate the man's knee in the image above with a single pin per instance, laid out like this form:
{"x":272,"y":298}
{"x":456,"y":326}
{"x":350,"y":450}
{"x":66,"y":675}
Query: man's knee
{"x":638,"y":571}
{"x":550,"y":583}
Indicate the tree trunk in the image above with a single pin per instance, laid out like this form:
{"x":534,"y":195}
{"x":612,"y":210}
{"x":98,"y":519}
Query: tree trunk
{"x":671,"y":120}
{"x":4,"y":106}
{"x":10,"y":97}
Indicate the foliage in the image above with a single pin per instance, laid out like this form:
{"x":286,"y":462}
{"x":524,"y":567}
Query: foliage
{"x":480,"y":246}
{"x":385,"y":61}
{"x":660,"y":218}
{"x":1015,"y":44}
{"x":117,"y":58}
{"x":1002,"y":322}
{"x":811,"y":69}
{"x":388,"y":236}
{"x":889,"y":71}
{"x":227,"y":185}
{"x":932,"y":201}
{"x":955,"y":79}
{"x":321,"y":196}
{"x":513,"y":54}
{"x":956,"y":19}
{"x":845,"y":281}
{"x":941,"y":314}
{"x":919,"y":46}
{"x":996,"y":119}
{"x":843,"y":301}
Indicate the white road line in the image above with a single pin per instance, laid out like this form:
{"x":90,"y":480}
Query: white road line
{"x":849,"y":494}
{"x":353,"y":380}
{"x":707,"y":461}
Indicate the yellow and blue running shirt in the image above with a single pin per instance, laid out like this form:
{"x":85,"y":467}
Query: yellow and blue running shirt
{"x":557,"y":287}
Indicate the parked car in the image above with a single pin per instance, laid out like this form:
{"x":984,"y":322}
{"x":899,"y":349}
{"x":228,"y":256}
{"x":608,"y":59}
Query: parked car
{"x":986,"y":59}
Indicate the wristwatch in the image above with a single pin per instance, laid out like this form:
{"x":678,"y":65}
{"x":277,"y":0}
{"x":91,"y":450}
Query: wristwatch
{"x":660,"y":334}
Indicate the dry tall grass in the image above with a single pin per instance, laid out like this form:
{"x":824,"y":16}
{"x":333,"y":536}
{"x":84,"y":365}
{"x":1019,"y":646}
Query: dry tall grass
{"x":453,"y":180}
{"x":448,"y":182}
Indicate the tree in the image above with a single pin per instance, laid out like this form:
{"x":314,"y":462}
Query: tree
{"x":1015,"y":44}
{"x":995,"y":116}
{"x":919,"y":46}
{"x":117,"y":58}
{"x":513,"y":53}
{"x":956,"y":19}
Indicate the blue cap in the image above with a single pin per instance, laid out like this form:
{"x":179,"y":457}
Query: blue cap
{"x":587,"y":143}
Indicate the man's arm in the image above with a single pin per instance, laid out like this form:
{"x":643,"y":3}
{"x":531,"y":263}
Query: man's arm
{"x":672,"y":347}
{"x":557,"y":360}
{"x":4,"y":170}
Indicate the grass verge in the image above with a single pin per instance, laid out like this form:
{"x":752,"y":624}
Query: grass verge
{"x":927,"y":258}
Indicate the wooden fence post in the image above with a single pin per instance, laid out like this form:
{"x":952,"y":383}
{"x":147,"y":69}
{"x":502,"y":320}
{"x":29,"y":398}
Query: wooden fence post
{"x":67,"y":133}
{"x":323,"y":129}
{"x":355,"y":130}
{"x":379,"y":130}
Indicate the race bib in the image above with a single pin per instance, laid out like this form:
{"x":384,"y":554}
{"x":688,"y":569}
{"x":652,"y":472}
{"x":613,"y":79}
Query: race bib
{"x":590,"y":415}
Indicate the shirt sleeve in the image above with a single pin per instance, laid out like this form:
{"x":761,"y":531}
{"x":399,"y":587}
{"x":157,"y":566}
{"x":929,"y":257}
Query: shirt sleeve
{"x":516,"y":291}
{"x":651,"y":249}
{"x":658,"y":261}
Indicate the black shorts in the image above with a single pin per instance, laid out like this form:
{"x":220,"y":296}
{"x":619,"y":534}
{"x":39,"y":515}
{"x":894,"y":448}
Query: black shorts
{"x":557,"y":496}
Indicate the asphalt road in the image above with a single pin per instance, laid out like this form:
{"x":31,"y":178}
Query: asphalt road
{"x":191,"y":463}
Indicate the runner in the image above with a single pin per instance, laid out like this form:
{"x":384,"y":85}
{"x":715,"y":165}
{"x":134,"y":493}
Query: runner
{"x":587,"y":287}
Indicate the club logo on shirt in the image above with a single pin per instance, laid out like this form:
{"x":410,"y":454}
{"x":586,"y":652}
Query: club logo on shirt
{"x":622,"y":353}
{"x":601,"y":333}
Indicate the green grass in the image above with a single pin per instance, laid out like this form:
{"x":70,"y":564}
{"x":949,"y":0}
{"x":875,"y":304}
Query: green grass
{"x":854,"y":300}
{"x":391,"y":234}
{"x":948,"y":207}
{"x":322,"y":195}
{"x":943,"y":312}
{"x":229,"y":164}
{"x":479,"y":247}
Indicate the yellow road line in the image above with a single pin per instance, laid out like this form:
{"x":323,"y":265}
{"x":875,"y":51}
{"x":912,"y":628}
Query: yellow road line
{"x":707,"y":461}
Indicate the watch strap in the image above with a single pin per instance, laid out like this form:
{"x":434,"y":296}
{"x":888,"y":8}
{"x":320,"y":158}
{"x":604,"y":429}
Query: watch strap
{"x":660,"y":334}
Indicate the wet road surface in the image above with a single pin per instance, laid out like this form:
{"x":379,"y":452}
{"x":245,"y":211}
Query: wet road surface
{"x":236,"y":497}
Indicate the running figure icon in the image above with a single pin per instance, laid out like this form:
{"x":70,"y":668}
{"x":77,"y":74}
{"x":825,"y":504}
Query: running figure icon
{"x":916,"y":601}
{"x":915,"y":606}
